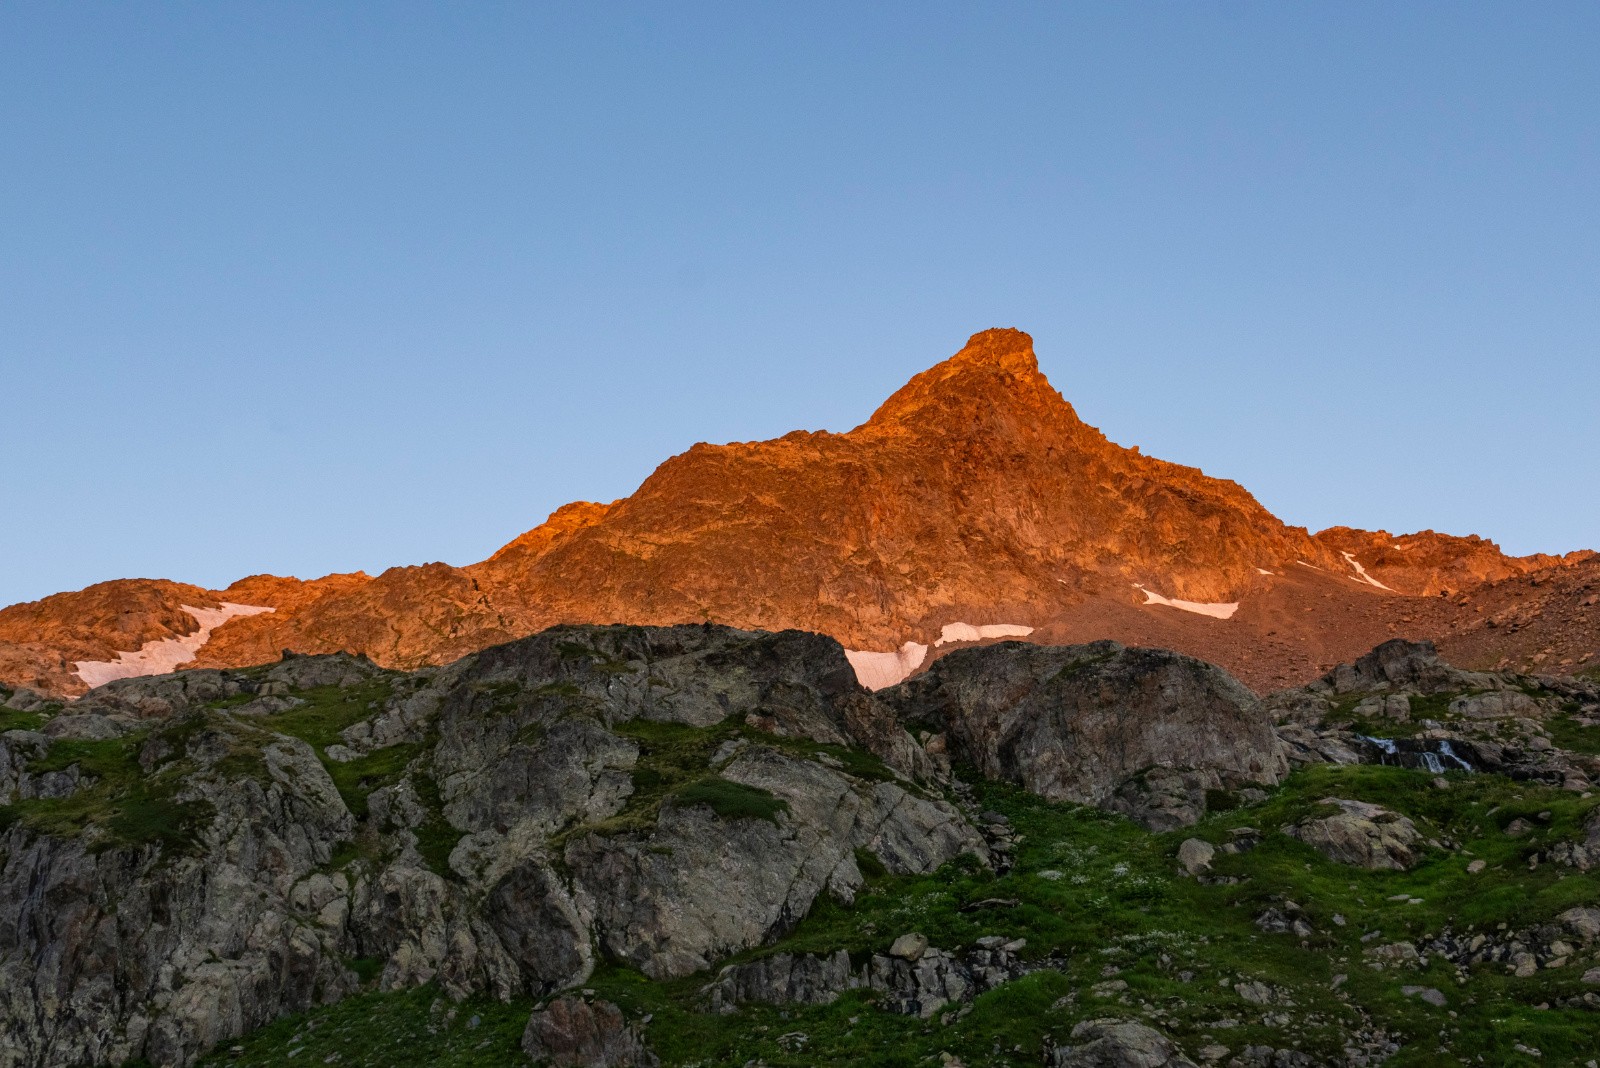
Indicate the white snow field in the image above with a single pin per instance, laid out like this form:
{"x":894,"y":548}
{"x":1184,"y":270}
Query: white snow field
{"x":1361,"y":572}
{"x":879,"y":671}
{"x":1215,"y":611}
{"x":966,"y":632}
{"x":164,"y":654}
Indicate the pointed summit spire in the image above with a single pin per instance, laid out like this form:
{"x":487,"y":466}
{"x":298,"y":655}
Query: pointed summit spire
{"x":1004,"y":348}
{"x":996,"y":370}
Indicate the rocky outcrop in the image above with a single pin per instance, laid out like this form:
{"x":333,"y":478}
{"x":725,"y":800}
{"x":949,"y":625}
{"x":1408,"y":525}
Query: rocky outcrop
{"x":659,"y":911}
{"x":1401,"y":665}
{"x":783,"y":979}
{"x":1429,"y":564}
{"x":110,"y":951}
{"x":656,"y":793}
{"x":1145,"y":732}
{"x":1362,"y":835}
{"x":1497,"y":722}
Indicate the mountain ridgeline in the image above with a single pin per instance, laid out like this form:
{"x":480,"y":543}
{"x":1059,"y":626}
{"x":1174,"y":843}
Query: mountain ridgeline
{"x":974,"y":496}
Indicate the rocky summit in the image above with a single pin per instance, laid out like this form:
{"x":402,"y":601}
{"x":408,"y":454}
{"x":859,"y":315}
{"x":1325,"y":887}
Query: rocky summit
{"x":702,"y":845}
{"x":974,"y":504}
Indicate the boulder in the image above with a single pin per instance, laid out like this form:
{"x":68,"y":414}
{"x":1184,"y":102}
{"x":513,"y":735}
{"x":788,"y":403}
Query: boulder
{"x":782,"y":979}
{"x":909,"y":947}
{"x":1399,"y":664}
{"x":1583,"y":922}
{"x":1498,"y":704}
{"x":573,"y":1033}
{"x":1362,"y":835}
{"x":1195,"y":855}
{"x":1142,"y":731}
{"x":1429,"y":994}
{"x":1117,"y":1044}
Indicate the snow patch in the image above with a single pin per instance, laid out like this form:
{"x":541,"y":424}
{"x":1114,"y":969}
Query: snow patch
{"x":966,"y":632}
{"x":1263,"y":571}
{"x":164,"y":654}
{"x":879,"y":671}
{"x":1361,"y":572}
{"x":1215,"y":611}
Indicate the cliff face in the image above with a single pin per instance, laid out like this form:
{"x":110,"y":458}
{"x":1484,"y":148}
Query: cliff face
{"x":973,"y":495}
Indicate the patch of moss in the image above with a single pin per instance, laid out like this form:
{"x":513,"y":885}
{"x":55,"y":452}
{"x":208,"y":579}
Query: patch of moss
{"x":436,"y":838}
{"x":731,"y":800}
{"x":356,"y":779}
{"x":1078,"y":667}
{"x":367,"y":969}
{"x":328,"y":710}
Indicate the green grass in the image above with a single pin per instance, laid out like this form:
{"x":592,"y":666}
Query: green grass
{"x":436,"y":838}
{"x":13,"y":720}
{"x":1568,"y":734}
{"x":325,"y":712}
{"x":371,"y":1030}
{"x":356,"y":779}
{"x":328,"y":710}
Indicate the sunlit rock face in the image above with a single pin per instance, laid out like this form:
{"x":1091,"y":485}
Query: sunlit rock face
{"x":972,"y":506}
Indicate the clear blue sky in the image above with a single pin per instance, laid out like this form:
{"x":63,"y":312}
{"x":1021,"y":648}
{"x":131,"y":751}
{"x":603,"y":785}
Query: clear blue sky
{"x":310,"y":287}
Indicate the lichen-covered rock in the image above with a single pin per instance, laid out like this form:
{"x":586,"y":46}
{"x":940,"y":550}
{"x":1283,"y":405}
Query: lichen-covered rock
{"x":1362,"y":835}
{"x":1143,"y":731}
{"x":1194,"y":855}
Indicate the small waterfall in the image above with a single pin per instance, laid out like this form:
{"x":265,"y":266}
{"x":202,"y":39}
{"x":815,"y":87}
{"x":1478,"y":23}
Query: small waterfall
{"x":1386,"y":745}
{"x":1435,"y":756}
{"x":1450,"y":754}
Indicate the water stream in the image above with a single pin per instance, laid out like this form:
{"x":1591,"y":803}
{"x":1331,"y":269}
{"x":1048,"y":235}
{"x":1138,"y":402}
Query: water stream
{"x":1435,"y":755}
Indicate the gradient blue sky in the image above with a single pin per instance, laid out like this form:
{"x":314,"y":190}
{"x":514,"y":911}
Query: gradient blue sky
{"x":310,"y":287}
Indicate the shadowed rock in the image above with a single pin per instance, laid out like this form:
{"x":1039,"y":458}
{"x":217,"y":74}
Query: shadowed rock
{"x":1144,"y":732}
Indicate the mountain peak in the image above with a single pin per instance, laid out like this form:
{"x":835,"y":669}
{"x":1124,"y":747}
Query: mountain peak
{"x":994,"y":367}
{"x":1002,"y":348}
